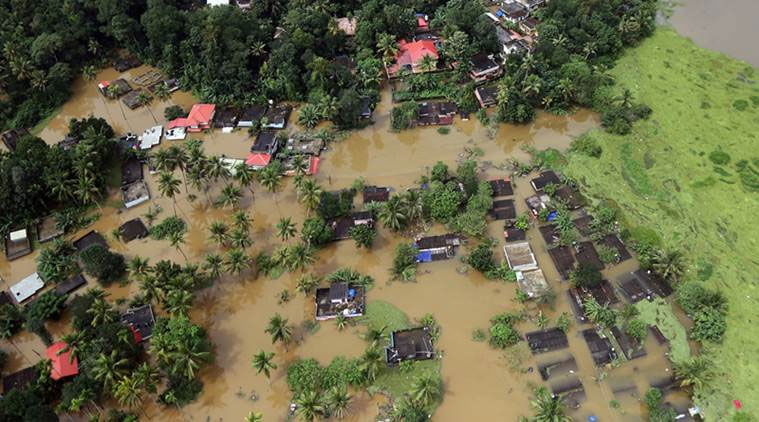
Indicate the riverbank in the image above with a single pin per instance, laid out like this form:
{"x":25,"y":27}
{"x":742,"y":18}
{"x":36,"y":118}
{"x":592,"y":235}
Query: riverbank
{"x":662,"y":178}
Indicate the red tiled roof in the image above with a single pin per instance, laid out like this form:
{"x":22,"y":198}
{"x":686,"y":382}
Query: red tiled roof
{"x":63,"y":366}
{"x":313,"y":166}
{"x":200,"y":114}
{"x":257,"y":159}
{"x":410,"y":53}
{"x":421,"y":22}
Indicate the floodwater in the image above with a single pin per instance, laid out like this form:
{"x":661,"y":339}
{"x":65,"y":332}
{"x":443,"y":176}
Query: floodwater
{"x":729,"y":27}
{"x":480,"y":383}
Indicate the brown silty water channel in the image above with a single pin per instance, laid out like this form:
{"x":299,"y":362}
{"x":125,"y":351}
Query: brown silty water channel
{"x":480,"y":383}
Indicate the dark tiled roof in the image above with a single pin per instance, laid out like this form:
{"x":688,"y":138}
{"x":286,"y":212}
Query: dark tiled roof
{"x":133,"y":229}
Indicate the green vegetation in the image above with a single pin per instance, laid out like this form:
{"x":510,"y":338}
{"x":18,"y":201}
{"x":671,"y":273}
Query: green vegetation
{"x":502,"y":331}
{"x":660,"y":176}
{"x":103,"y":264}
{"x":657,"y":412}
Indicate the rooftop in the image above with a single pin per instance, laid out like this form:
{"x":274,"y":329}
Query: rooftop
{"x":348,"y":300}
{"x":586,"y":254}
{"x":631,"y":348}
{"x":251,"y":114}
{"x":486,"y":95}
{"x":503,"y":209}
{"x":135,"y":194}
{"x":563,"y":260}
{"x":501,"y":187}
{"x":70,"y":285}
{"x":520,"y":257}
{"x":27,"y":287}
{"x":410,"y":344}
{"x":277,"y":117}
{"x":12,"y":136}
{"x":546,"y":340}
{"x":91,"y":238}
{"x":546,"y":178}
{"x":533,"y":283}
{"x":141,"y":320}
{"x":131,"y":171}
{"x":133,"y":229}
{"x":376,"y":194}
{"x":63,"y":364}
{"x":17,"y":244}
{"x":266,"y":141}
{"x":600,"y":348}
{"x":20,"y":379}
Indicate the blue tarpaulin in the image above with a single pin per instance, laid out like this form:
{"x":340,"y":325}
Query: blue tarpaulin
{"x":551,"y":216}
{"x":500,"y":13}
{"x":424,"y":256}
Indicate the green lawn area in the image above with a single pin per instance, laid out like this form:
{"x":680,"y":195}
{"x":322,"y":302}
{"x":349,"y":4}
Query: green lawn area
{"x":395,"y":381}
{"x":691,"y":173}
{"x":659,"y":313}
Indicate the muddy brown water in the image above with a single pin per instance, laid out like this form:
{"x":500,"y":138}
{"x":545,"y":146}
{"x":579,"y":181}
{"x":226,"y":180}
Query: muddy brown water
{"x":480,"y":383}
{"x":729,"y":27}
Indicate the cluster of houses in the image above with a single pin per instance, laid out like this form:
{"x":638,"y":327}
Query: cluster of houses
{"x":605,"y":346}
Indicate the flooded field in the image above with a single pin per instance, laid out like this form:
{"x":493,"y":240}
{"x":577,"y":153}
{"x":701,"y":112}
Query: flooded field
{"x":729,"y":27}
{"x":480,"y":383}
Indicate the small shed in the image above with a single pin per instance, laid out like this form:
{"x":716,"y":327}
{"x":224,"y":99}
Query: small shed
{"x":533,"y":283}
{"x":410,"y":344}
{"x":346,"y":299}
{"x":251,"y":115}
{"x":64,"y":365}
{"x":503,"y":209}
{"x":586,"y":254}
{"x":513,"y":234}
{"x":277,"y":117}
{"x":501,"y":187}
{"x":571,"y":391}
{"x":542,"y":341}
{"x":536,"y":203}
{"x":133,"y":229}
{"x":549,"y":233}
{"x":600,"y":348}
{"x":375,"y":194}
{"x":70,"y":285}
{"x":577,"y":304}
{"x":614,"y":242}
{"x":131,"y":171}
{"x":141,"y":321}
{"x":519,"y":256}
{"x":27,"y":287}
{"x":546,"y":178}
{"x":562,"y":367}
{"x":17,"y":244}
{"x":48,"y":229}
{"x":562,"y":259}
{"x":631,"y":347}
{"x":91,"y":238}
{"x":135,"y":194}
{"x":603,"y":293}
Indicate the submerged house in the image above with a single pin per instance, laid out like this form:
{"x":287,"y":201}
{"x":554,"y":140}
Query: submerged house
{"x":250,"y":115}
{"x":631,"y":347}
{"x":199,"y":118}
{"x":436,"y":113}
{"x":266,"y":143}
{"x":577,"y":305}
{"x":135,"y":194}
{"x":133,"y":99}
{"x":63,"y":364}
{"x":483,"y":68}
{"x":346,"y":299}
{"x":276,"y":117}
{"x":48,"y":229}
{"x":27,"y":287}
{"x":225,"y":119}
{"x":114,"y":89}
{"x":529,"y":26}
{"x":90,"y":238}
{"x":514,"y":12}
{"x":600,"y":348}
{"x":17,"y":244}
{"x":300,"y":145}
{"x":141,"y":321}
{"x":563,"y":260}
{"x":533,"y":283}
{"x":542,"y":341}
{"x":12,"y":136}
{"x":519,"y":256}
{"x":70,"y":285}
{"x":436,"y":248}
{"x":503,"y":209}
{"x":375,"y":194}
{"x":487,"y":96}
{"x":20,"y":379}
{"x":501,"y":187}
{"x":150,"y":137}
{"x":512,"y":42}
{"x":341,"y":226}
{"x":133,"y":229}
{"x":546,"y":178}
{"x":410,"y":344}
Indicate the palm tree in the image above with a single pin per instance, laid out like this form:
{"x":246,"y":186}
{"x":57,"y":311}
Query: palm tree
{"x":309,"y":406}
{"x":426,"y":389}
{"x":392,"y":214}
{"x":150,"y":289}
{"x":240,"y":239}
{"x":108,"y":368}
{"x":307,"y":283}
{"x":178,"y":158}
{"x":242,"y":220}
{"x":299,"y":256}
{"x":245,"y":176}
{"x":176,"y":238}
{"x":542,"y":321}
{"x":187,"y":360}
{"x":371,"y":363}
{"x":148,"y":376}
{"x":168,"y":185}
{"x":87,"y":190}
{"x":413,"y":205}
{"x":113,"y":93}
{"x":219,"y":232}
{"x":310,"y":195}
{"x":237,"y":261}
{"x":144,"y":99}
{"x":179,"y":302}
{"x":670,"y":265}
{"x":263,"y":362}
{"x":695,"y":372}
{"x":532,"y":85}
{"x":89,"y":72}
{"x":338,"y":400}
{"x":101,"y":312}
{"x":270,"y":178}
{"x":387,"y":45}
{"x":230,"y":196}
{"x":548,"y":407}
{"x":216,"y":169}
{"x":309,"y":116}
{"x":163,"y":161}
{"x":76,"y":342}
{"x":285,"y":228}
{"x":375,"y":336}
{"x":258,"y":48}
{"x":214,"y":265}
{"x":254,"y":417}
{"x":279,"y":330}
{"x":427,"y":63}
{"x":139,"y":267}
{"x":162,"y":92}
{"x":128,"y":391}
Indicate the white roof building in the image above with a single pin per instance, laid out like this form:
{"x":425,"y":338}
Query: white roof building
{"x":151,"y":137}
{"x":27,"y":287}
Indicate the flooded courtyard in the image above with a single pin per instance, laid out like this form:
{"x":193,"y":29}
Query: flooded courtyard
{"x":480,"y":383}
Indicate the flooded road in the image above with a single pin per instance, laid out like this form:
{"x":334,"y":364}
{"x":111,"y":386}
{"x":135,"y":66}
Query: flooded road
{"x":726,"y":26}
{"x":480,"y":383}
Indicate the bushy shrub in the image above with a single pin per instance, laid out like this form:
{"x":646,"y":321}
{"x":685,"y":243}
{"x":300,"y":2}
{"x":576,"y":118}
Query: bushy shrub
{"x":363,"y":235}
{"x":316,"y":232}
{"x":585,"y":276}
{"x":404,"y":116}
{"x":172,"y":112}
{"x":103,"y":264}
{"x":166,"y":228}
{"x":636,"y":329}
{"x":404,"y":260}
{"x":11,"y":320}
{"x":708,"y":325}
{"x":304,"y":375}
{"x":587,"y":145}
{"x":481,"y":258}
{"x":57,"y":262}
{"x":502,"y":332}
{"x":335,"y":204}
{"x":48,"y":306}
